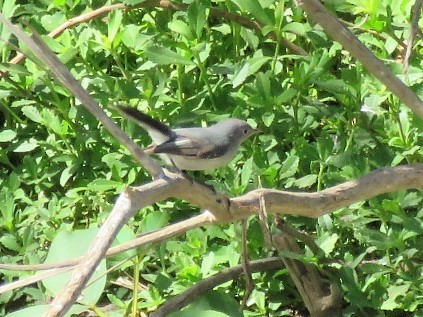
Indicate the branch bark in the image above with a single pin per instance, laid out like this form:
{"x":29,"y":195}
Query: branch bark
{"x":383,"y":180}
{"x":321,"y":297}
{"x":224,"y":210}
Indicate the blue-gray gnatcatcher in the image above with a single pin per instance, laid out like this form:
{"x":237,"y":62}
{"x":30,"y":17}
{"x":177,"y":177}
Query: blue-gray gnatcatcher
{"x":193,"y":148}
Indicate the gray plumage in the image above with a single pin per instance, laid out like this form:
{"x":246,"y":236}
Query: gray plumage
{"x":193,"y":148}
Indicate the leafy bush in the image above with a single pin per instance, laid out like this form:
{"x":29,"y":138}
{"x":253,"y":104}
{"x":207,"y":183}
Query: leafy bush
{"x":324,"y":120}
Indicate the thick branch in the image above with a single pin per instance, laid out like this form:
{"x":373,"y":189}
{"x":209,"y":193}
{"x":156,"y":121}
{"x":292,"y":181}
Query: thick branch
{"x":375,"y":66}
{"x":384,"y":180}
{"x":378,"y":182}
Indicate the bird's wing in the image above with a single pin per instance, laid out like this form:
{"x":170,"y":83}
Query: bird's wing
{"x":190,"y":147}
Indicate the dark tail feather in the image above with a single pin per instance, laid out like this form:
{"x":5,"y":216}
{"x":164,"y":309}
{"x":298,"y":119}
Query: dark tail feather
{"x":145,"y":120}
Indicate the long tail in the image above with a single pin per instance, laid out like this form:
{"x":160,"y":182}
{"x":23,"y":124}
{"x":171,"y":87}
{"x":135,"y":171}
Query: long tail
{"x":158,"y":131}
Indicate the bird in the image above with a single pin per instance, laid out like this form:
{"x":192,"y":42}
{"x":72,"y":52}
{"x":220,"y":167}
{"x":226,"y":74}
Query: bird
{"x":196,"y":148}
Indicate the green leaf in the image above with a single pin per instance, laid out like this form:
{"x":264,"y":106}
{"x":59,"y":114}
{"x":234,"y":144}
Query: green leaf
{"x":165,"y":56}
{"x":289,"y":166}
{"x":263,"y":85}
{"x":287,"y":95}
{"x":32,"y":113}
{"x":153,"y":221}
{"x":52,"y":121}
{"x":240,"y":75}
{"x":7,"y":209}
{"x":102,"y":185}
{"x":26,"y":146}
{"x":197,"y":17}
{"x":295,"y":27}
{"x":66,"y":175}
{"x":211,"y":304}
{"x":268,"y":118}
{"x":77,"y":243}
{"x":130,"y":35}
{"x":7,"y":135}
{"x":40,"y":310}
{"x":14,"y":69}
{"x":126,"y":234}
{"x":8,"y":8}
{"x":247,"y":171}
{"x":9,"y":241}
{"x":52,"y":21}
{"x":256,"y":63}
{"x":133,"y":2}
{"x":327,"y":243}
{"x":113,"y":24}
{"x":306,"y":181}
{"x":255,"y":8}
{"x":181,"y":27}
{"x":207,"y":264}
{"x":394,"y":292}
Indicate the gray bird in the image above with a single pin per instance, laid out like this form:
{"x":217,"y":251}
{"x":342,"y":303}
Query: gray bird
{"x":193,"y":148}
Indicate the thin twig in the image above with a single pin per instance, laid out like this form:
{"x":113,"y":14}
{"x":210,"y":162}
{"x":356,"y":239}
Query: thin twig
{"x":148,"y":238}
{"x":264,"y":223}
{"x":414,"y":27}
{"x":246,"y":266}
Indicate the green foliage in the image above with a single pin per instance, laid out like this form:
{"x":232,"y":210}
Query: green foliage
{"x":324,"y":120}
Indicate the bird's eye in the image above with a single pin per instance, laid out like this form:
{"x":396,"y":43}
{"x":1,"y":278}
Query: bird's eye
{"x":245,"y":131}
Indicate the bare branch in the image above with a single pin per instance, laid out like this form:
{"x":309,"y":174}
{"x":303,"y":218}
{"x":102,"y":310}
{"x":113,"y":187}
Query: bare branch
{"x":384,"y":180}
{"x":246,"y":264}
{"x":300,"y":203}
{"x":31,"y":279}
{"x":321,"y":297}
{"x":375,"y":66}
{"x":147,"y":239}
{"x":209,"y":283}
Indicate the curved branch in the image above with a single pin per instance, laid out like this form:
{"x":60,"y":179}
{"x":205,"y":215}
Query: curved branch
{"x":222,"y":209}
{"x":380,"y":181}
{"x":207,"y":284}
